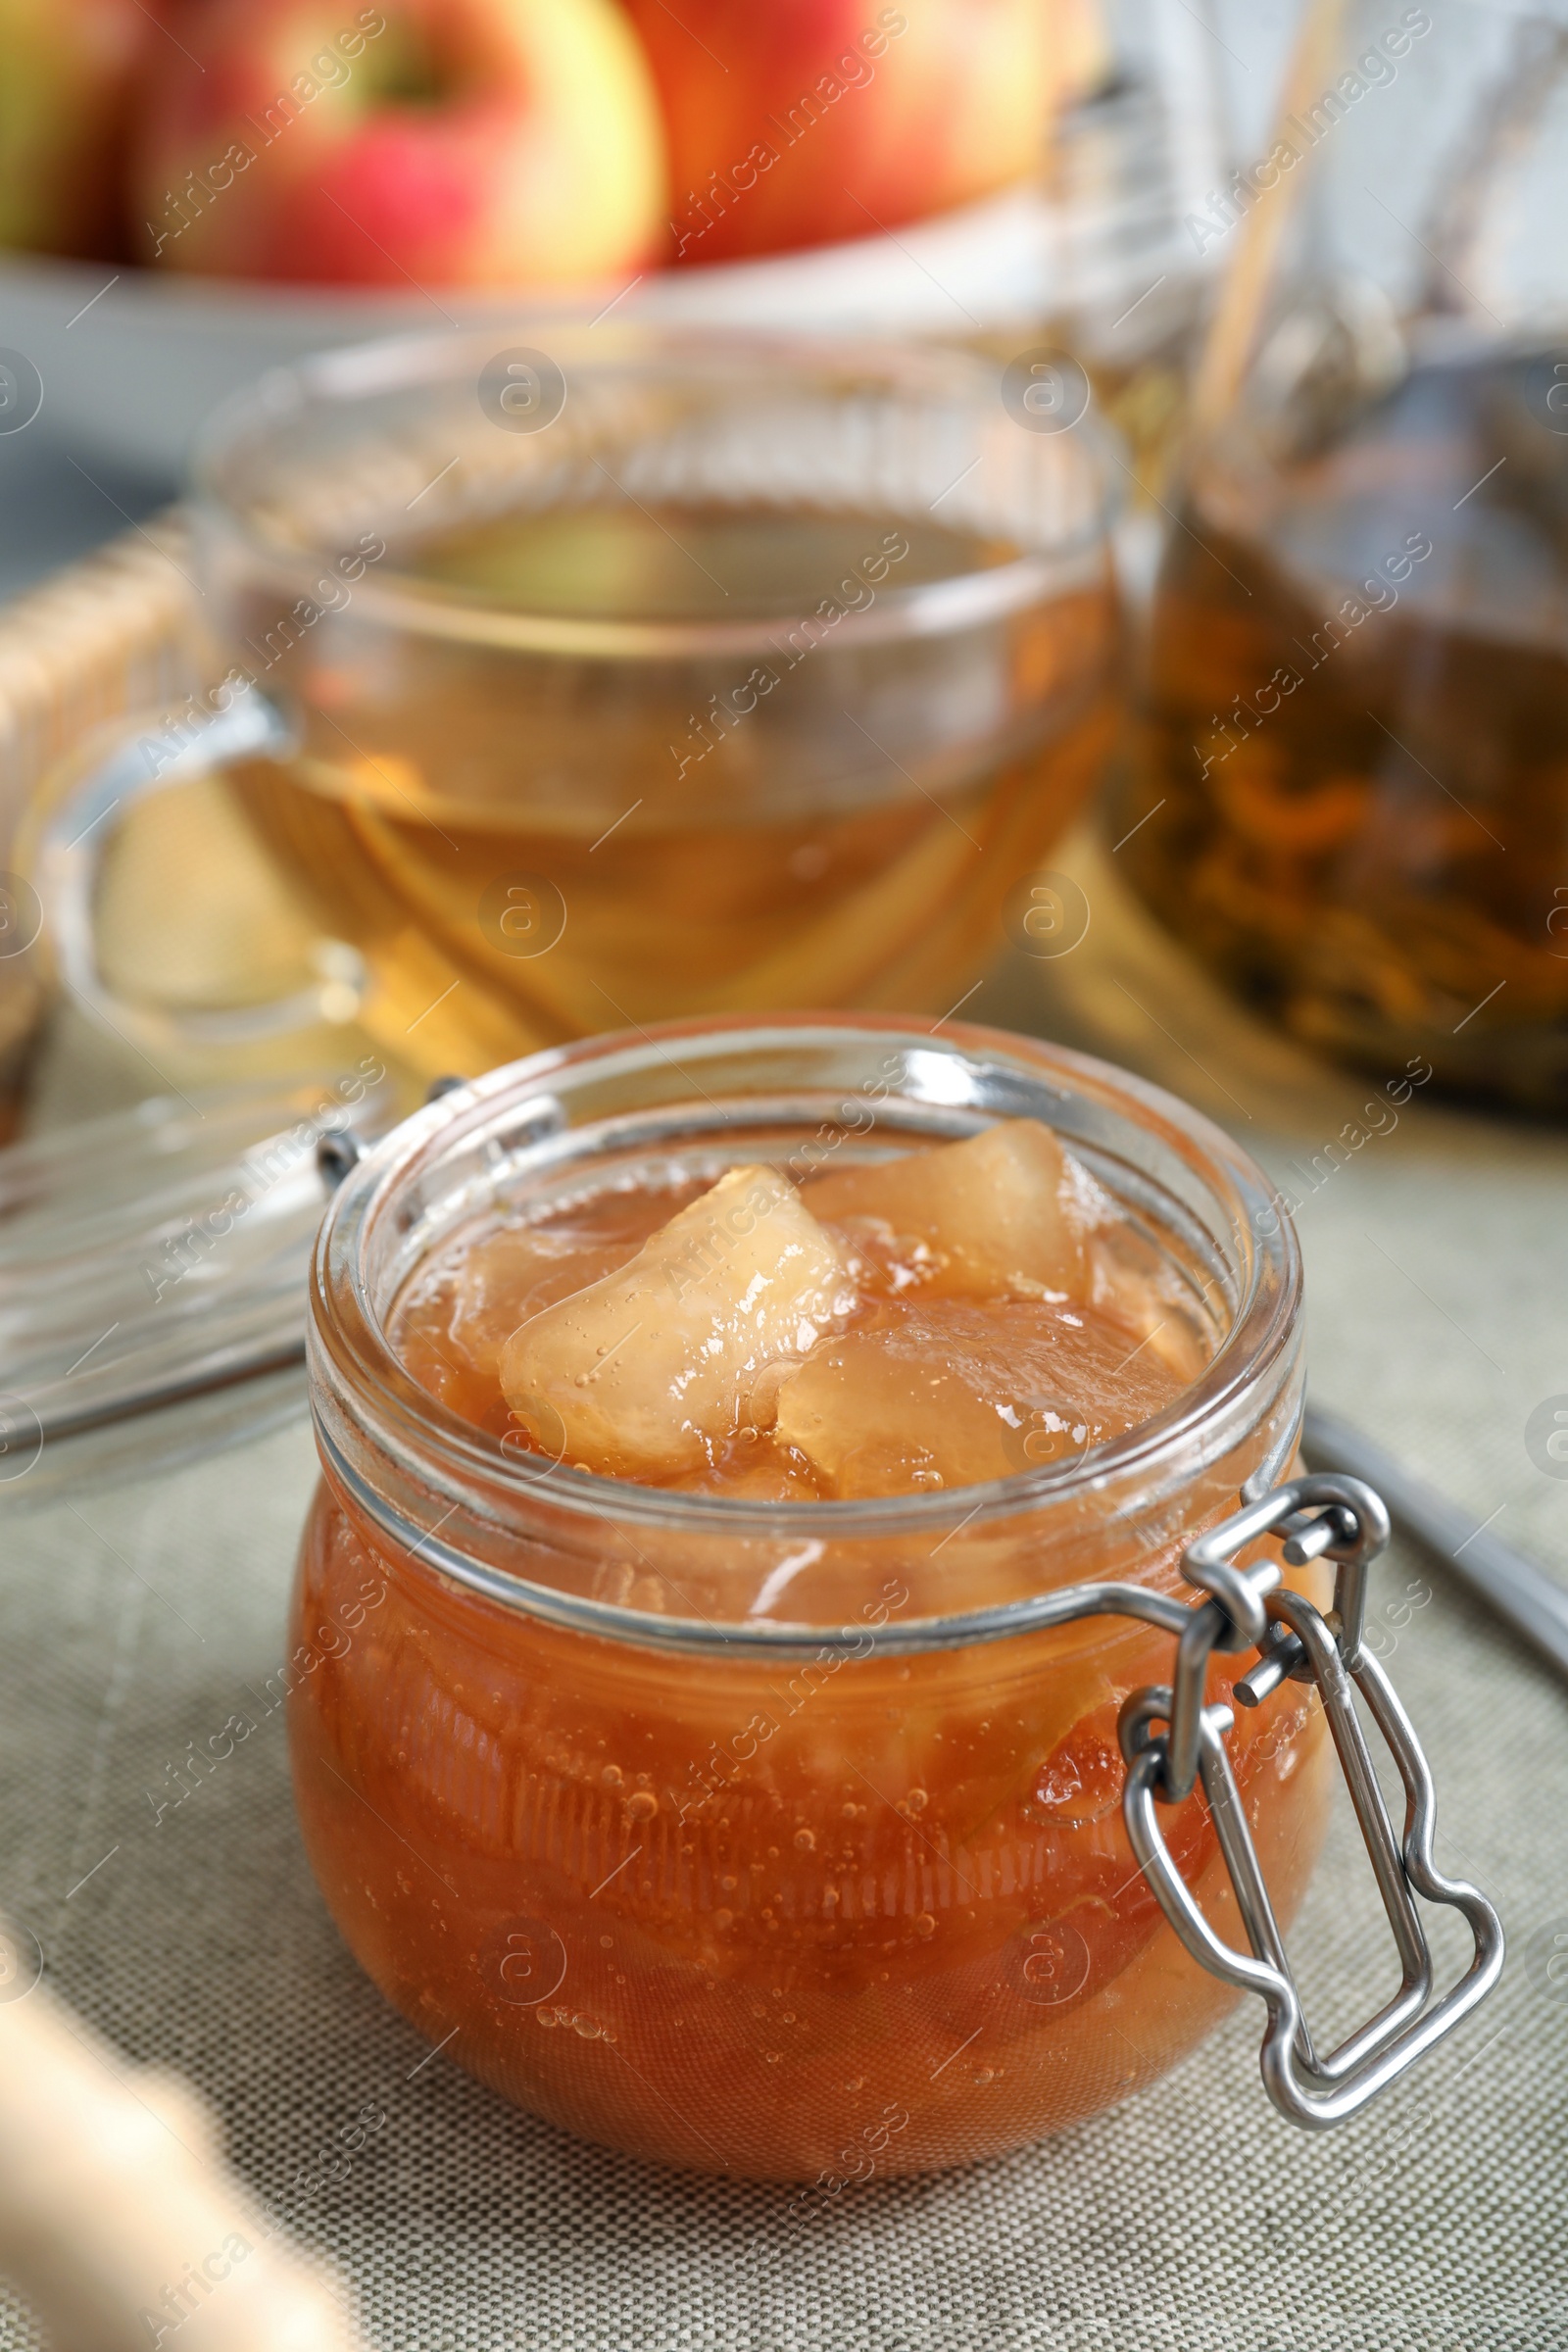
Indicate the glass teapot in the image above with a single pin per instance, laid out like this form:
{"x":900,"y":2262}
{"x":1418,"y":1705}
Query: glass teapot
{"x":1351,"y":795}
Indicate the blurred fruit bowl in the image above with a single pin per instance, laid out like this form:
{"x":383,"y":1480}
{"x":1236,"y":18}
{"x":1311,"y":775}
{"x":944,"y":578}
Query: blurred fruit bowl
{"x":132,"y":359}
{"x":256,"y":177}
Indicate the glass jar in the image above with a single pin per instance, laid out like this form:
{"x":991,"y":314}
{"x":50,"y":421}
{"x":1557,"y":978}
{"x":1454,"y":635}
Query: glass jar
{"x":770,"y":1839}
{"x":1352,"y":798}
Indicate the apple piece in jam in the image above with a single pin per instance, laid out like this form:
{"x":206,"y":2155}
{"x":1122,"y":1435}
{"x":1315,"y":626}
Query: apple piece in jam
{"x":1146,"y":1302}
{"x":953,"y":1392}
{"x":1005,"y":1213}
{"x":958,"y":1314}
{"x":647,"y":1369}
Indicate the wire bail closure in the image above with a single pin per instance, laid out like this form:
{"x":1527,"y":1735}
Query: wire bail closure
{"x":1251,"y":1608}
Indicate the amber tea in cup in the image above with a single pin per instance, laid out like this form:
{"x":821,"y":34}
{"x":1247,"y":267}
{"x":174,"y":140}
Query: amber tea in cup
{"x":650,"y":675}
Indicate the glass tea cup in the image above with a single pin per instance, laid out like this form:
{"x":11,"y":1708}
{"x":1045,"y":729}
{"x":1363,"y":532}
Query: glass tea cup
{"x":649,"y":675}
{"x":1354,"y":779}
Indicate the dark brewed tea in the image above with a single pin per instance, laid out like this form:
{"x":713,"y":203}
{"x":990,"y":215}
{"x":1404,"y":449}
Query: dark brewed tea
{"x":1353,"y":799}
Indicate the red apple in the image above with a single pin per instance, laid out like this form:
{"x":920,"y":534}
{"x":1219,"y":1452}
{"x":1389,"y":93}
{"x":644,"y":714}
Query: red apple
{"x":66,"y":67}
{"x":442,"y":142}
{"x":791,"y":122}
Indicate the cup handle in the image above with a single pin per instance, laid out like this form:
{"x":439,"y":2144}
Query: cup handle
{"x":68,"y":847}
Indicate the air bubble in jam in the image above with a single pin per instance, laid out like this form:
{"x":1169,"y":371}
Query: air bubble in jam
{"x":1081,"y":1780}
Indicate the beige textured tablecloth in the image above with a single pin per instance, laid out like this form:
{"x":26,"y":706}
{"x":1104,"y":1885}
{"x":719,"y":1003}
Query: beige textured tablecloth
{"x":1192,"y":2219}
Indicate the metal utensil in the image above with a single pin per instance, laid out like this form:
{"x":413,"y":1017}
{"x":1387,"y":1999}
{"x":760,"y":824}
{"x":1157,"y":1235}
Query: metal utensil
{"x":1513,"y":1588}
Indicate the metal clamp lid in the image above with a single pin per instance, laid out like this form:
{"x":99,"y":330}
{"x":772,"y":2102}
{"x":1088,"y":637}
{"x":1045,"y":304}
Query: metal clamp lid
{"x":1343,"y":1519}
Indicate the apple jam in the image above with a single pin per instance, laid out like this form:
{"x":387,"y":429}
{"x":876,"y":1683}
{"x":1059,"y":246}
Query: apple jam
{"x":668,"y":1776}
{"x":948,"y":1317}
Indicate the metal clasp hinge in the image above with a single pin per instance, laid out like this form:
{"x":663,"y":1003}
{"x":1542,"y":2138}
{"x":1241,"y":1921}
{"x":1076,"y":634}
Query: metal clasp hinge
{"x":1248,"y":1608}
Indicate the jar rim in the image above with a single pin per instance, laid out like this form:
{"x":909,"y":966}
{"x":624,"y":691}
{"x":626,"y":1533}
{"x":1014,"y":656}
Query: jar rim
{"x":359,"y":1381}
{"x":274,"y":408}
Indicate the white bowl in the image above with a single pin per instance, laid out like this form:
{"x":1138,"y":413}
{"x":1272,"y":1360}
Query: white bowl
{"x":132,"y":360}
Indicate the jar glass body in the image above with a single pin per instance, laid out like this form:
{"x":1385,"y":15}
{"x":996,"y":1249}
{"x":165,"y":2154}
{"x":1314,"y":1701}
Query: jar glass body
{"x":770,"y":1840}
{"x":1355,"y":719}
